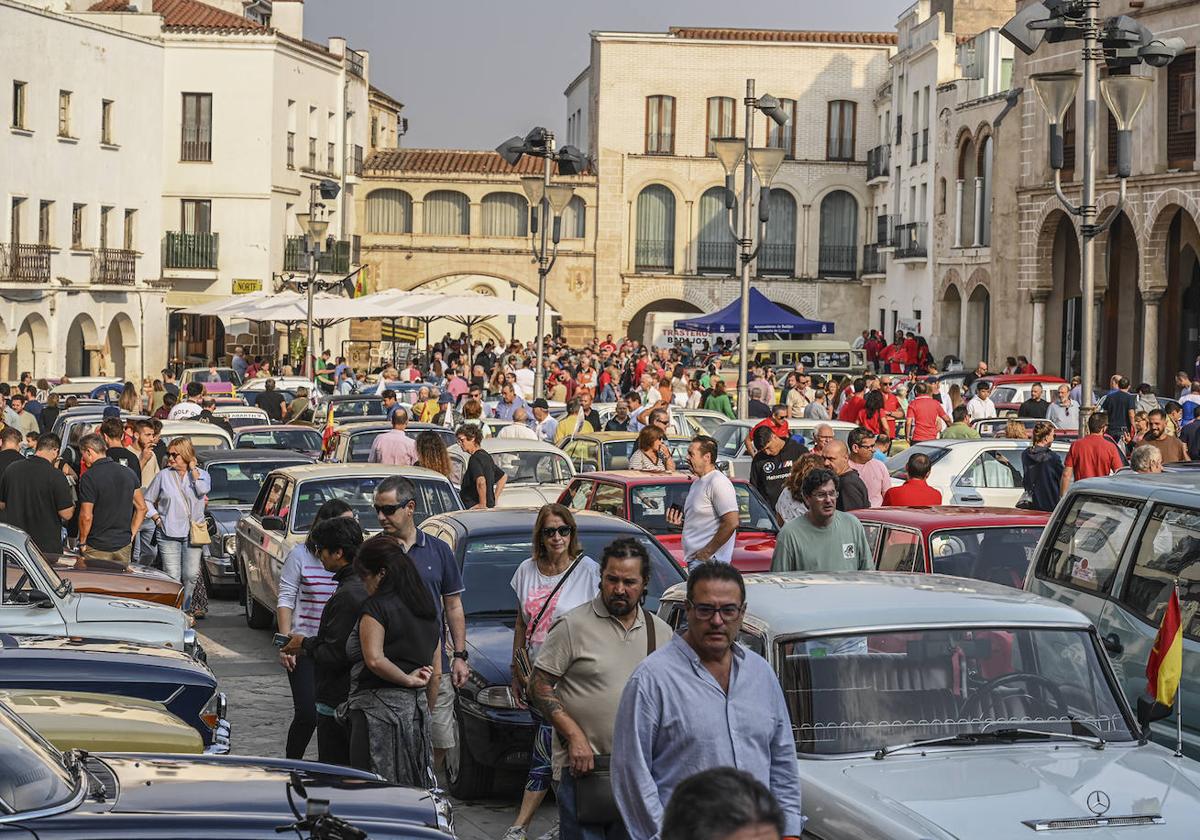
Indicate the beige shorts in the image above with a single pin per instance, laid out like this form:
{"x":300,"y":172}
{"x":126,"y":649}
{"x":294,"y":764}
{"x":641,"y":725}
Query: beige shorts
{"x":444,"y":735}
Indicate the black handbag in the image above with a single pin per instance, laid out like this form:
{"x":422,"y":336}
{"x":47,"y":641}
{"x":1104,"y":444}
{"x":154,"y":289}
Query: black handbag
{"x":594,"y":799}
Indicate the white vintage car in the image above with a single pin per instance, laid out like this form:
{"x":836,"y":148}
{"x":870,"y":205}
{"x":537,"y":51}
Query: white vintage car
{"x":36,"y":601}
{"x":537,"y":471}
{"x":935,"y":708}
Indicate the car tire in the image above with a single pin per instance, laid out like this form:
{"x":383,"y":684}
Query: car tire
{"x":466,"y":778}
{"x":258,"y":617}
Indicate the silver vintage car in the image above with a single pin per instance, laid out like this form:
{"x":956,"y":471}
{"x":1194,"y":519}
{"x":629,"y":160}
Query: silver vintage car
{"x":537,"y":471}
{"x":934,"y":708}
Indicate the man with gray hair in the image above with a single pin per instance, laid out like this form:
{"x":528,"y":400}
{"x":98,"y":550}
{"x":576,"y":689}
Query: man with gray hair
{"x":1146,"y":458}
{"x":518,"y":429}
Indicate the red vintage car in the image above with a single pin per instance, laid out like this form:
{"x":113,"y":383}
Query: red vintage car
{"x":644,"y":497}
{"x":993,"y":544}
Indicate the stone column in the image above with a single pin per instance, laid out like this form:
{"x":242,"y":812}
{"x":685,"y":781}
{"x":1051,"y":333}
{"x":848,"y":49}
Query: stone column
{"x":977,"y":217}
{"x":1038,"y":340}
{"x":958,"y":213}
{"x":1150,"y":300}
{"x":803,"y":261}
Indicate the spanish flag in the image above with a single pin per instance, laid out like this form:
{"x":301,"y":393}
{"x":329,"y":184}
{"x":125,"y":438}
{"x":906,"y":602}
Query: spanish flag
{"x":327,"y":433}
{"x":1166,"y":659}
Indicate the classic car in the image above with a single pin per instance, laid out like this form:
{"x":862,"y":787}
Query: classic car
{"x":495,"y":733}
{"x":611,"y":450}
{"x":75,"y":794}
{"x":80,"y":720}
{"x":108,"y":577}
{"x":82,"y":386}
{"x":206,"y":376}
{"x":997,"y":427}
{"x":994,"y":544}
{"x":34,"y":599}
{"x":1113,"y":549}
{"x":405,"y":392}
{"x":1009,"y":390}
{"x":537,"y":471}
{"x":349,"y":408}
{"x":186,"y":687}
{"x":74,"y":423}
{"x":731,"y":439}
{"x":351,"y":443}
{"x":284,"y":511}
{"x":685,"y":422}
{"x":303,"y":439}
{"x":985,"y":472}
{"x":240,"y":415}
{"x":237,"y":476}
{"x":927,"y":707}
{"x":251,"y":388}
{"x":204,"y":436}
{"x":643,"y":497}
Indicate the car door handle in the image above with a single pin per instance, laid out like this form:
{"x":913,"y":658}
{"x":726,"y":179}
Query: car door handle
{"x":972,"y":498}
{"x":1112,"y":644}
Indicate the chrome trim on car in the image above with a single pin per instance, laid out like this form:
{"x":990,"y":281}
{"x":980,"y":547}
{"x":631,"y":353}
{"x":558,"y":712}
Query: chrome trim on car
{"x":54,"y":810}
{"x":1063,"y":823}
{"x":223,"y":731}
{"x":190,"y":645}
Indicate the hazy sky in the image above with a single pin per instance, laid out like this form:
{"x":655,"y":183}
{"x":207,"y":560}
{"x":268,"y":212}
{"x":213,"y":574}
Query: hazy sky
{"x":474,"y":72}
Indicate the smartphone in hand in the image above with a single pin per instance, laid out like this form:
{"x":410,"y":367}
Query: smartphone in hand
{"x":280,"y":639}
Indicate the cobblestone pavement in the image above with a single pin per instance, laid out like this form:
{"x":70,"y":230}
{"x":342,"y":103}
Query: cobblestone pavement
{"x":260,"y":706}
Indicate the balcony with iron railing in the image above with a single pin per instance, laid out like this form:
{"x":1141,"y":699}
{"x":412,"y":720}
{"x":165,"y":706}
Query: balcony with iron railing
{"x":654,"y":256}
{"x":24,"y":263}
{"x":879,"y":162}
{"x":716,"y":258}
{"x":335,"y":260}
{"x":874,"y":260}
{"x":885,"y":228}
{"x":838,"y":260}
{"x":777,"y":259}
{"x":354,"y":63}
{"x":910,"y":241}
{"x":190,"y":250}
{"x":114,"y":266}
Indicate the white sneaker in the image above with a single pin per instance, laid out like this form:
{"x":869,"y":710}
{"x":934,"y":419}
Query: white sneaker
{"x":515,"y":832}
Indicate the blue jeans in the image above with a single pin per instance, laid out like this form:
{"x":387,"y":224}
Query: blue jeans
{"x":181,"y":560}
{"x":570,"y":828}
{"x":143,"y":550}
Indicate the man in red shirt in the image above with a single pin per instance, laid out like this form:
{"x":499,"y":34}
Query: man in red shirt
{"x":910,"y":351}
{"x":855,"y":403}
{"x":923,"y":415}
{"x":914,"y":492}
{"x":1092,"y":456}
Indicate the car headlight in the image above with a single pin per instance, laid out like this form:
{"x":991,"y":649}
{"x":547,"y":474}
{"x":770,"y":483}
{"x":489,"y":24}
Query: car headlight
{"x":230,"y":544}
{"x":189,"y":641}
{"x":497,"y":697}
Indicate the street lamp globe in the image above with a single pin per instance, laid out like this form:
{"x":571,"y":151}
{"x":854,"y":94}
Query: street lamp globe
{"x":729,"y":151}
{"x":1055,"y":92}
{"x":766,"y":163}
{"x":535,"y":187}
{"x":1124,"y":96}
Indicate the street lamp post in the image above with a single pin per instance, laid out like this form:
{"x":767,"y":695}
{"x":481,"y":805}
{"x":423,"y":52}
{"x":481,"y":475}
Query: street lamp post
{"x":764,"y":162}
{"x":314,"y":224}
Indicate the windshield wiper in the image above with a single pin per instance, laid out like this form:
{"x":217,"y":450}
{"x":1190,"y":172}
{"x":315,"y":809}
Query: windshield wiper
{"x":992,"y":734}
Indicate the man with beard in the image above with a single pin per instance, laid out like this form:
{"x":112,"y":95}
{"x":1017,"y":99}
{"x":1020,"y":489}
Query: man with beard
{"x":583,"y":667}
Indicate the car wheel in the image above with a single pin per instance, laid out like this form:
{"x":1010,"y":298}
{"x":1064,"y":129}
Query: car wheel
{"x":258,"y":617}
{"x":466,"y":778}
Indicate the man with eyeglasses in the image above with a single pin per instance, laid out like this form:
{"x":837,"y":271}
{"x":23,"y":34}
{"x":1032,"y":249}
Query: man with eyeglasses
{"x":702,"y":701}
{"x":395,"y":504}
{"x":824,"y":539}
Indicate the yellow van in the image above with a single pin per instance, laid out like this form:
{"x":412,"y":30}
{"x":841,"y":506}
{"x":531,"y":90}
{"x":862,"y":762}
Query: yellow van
{"x":823,"y":356}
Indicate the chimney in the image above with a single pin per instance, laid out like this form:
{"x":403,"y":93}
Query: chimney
{"x":287,"y":17}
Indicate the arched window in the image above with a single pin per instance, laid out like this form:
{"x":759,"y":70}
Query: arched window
{"x":505,"y":214}
{"x":574,"y":219}
{"x":778,"y":253}
{"x":717,"y":252}
{"x":389,"y":211}
{"x":447,"y":213}
{"x":839,"y":235}
{"x":984,"y":211}
{"x":964,"y":225}
{"x":655,"y":248}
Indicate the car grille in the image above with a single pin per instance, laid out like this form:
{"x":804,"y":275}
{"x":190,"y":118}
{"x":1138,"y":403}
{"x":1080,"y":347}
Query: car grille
{"x":1094,"y":822}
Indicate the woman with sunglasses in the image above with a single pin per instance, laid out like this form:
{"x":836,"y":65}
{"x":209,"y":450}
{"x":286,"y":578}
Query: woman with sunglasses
{"x":304,"y":587}
{"x":651,"y":453}
{"x":549,"y":584}
{"x":174,"y":500}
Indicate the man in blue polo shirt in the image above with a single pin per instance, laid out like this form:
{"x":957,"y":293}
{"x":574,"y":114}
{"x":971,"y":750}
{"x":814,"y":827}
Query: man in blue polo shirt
{"x":395,"y":504}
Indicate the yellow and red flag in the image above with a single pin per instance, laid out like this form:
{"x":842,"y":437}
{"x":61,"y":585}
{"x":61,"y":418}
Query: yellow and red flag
{"x":1165,"y":667}
{"x":327,"y":433}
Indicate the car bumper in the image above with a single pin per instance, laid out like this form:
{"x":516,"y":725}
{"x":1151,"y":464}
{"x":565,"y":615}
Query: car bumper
{"x":220,"y":569}
{"x":497,"y":738}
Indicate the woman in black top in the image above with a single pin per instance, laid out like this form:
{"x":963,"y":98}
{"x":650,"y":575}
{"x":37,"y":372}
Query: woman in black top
{"x":482,"y":480}
{"x":398,"y":635}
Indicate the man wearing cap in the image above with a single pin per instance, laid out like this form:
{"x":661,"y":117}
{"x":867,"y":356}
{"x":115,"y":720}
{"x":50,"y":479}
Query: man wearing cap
{"x":544,"y":425}
{"x":446,"y":415}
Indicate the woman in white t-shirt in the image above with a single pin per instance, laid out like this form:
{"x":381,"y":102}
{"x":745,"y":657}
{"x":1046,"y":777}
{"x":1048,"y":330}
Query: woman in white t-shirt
{"x":555,"y":549}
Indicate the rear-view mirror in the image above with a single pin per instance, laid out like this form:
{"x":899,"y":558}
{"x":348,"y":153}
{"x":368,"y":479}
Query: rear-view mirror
{"x":273,"y":523}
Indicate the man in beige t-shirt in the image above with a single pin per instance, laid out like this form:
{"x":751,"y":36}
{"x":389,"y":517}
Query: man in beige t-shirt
{"x":584,"y":664}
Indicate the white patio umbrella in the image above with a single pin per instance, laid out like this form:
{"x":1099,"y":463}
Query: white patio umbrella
{"x":469,"y":309}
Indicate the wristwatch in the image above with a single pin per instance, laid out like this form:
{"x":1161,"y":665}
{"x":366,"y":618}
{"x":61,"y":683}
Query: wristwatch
{"x":460,"y":654}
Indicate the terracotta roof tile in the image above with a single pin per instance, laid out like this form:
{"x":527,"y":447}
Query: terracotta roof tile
{"x":882,"y":39}
{"x":186,"y":14}
{"x":449,"y":161}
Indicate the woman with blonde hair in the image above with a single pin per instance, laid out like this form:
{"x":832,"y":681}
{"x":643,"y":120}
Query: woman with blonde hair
{"x":175,"y":501}
{"x":790,"y":504}
{"x":1014,"y":429}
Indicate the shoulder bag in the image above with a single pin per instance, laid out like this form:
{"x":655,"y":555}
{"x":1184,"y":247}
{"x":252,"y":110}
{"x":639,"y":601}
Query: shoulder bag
{"x":198,"y":532}
{"x":523,"y":660}
{"x":594,"y":800}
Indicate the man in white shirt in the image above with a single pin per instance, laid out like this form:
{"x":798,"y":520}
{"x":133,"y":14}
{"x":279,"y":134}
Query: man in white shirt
{"x":188,"y":409}
{"x":710,"y":514}
{"x":525,"y":379}
{"x":518,"y":429}
{"x":981,"y":406}
{"x":544,"y":425}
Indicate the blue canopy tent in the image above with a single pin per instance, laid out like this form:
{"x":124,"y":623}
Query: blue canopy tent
{"x":765,"y":317}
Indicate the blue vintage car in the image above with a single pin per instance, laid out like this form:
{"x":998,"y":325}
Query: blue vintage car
{"x":184,"y":685}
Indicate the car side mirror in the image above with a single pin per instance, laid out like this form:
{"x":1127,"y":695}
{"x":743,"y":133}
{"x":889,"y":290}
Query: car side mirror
{"x":274,"y":523}
{"x":587,"y":467}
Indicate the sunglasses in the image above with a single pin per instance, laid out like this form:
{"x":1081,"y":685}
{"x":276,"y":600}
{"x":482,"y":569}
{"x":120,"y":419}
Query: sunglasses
{"x":172,"y":454}
{"x":561,"y":530}
{"x":388,"y":510}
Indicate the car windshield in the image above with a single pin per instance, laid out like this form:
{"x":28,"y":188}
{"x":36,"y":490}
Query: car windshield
{"x":707,"y":424}
{"x":1000,"y":554}
{"x":218,"y":375}
{"x":533,"y":467}
{"x":1004,"y":394}
{"x":861,"y":692}
{"x":239,"y":483}
{"x":730,"y":437}
{"x":358,"y":408}
{"x":204,"y":443}
{"x":34,"y":777}
{"x":898,"y":463}
{"x":20,"y":581}
{"x":649,"y":503}
{"x":301,"y":440}
{"x":433,"y":496}
{"x":240,"y":421}
{"x":618,"y":452}
{"x":491,"y":562}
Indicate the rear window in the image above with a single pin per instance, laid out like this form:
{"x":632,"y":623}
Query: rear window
{"x":1088,"y":543}
{"x":898,"y":463}
{"x":1000,"y":554}
{"x":433,"y":497}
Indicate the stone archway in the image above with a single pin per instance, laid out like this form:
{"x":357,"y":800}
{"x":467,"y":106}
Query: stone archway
{"x":82,"y":347}
{"x":1064,"y":301}
{"x":32,"y":349}
{"x":1120,"y":320}
{"x":976,"y":337}
{"x":636,"y":327}
{"x":120,"y":348}
{"x":1170,"y":292}
{"x":948,"y":312}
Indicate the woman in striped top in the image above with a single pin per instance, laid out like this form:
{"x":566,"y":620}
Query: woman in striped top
{"x":304,"y":587}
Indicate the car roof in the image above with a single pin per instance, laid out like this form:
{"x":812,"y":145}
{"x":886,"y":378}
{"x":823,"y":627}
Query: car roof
{"x":493,"y":444}
{"x":307,"y":472}
{"x":1018,"y":378}
{"x":1127,"y":482}
{"x":234,"y":456}
{"x":192,"y":427}
{"x":821,"y":603}
{"x":273,"y":427}
{"x":507,"y":520}
{"x":982,"y":443}
{"x":646,"y":477}
{"x":796,"y":423}
{"x":952,"y":516}
{"x":350,"y":397}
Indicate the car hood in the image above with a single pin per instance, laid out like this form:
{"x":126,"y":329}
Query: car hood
{"x":227,"y":516}
{"x":752,"y":550}
{"x":248,"y":786}
{"x":991,"y":792}
{"x":96,"y":609}
{"x":490,"y":642}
